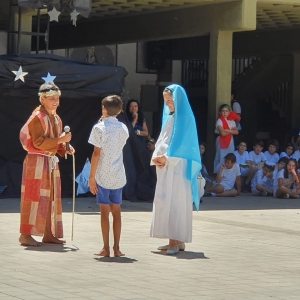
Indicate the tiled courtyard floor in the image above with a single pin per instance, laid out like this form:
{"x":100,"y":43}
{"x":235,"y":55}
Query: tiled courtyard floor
{"x":243,"y":248}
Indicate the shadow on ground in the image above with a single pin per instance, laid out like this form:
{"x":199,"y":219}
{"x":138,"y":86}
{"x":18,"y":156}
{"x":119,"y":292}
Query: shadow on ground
{"x":52,"y":248}
{"x":122,"y":260}
{"x":183,"y":254}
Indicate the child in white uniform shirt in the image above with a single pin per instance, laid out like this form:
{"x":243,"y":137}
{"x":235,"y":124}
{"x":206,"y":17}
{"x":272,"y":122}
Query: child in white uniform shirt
{"x":107,"y":175}
{"x":228,"y":175}
{"x":289,"y":150}
{"x":271,"y":155}
{"x":286,"y":185}
{"x":246,"y":168}
{"x":256,"y":156}
{"x":262,"y":182}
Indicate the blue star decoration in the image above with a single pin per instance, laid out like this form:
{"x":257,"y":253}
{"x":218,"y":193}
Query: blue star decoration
{"x":49,"y":78}
{"x":74,"y":15}
{"x":53,"y":14}
{"x":20,"y":74}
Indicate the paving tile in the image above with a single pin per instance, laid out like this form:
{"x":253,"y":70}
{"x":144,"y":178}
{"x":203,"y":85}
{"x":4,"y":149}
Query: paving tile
{"x":243,"y":248}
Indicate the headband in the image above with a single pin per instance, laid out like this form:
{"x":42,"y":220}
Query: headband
{"x":50,"y":92}
{"x":225,"y":106}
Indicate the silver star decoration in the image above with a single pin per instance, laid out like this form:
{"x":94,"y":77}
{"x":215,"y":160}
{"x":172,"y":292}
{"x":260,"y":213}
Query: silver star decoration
{"x":54,"y":14}
{"x":49,"y":78}
{"x":20,"y":74}
{"x":74,"y":15}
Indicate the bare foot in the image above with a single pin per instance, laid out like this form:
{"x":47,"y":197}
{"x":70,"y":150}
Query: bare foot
{"x":103,"y":252}
{"x":52,"y":240}
{"x":118,"y":253}
{"x":28,"y":240}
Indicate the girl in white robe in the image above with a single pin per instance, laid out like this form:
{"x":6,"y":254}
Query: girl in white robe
{"x":178,"y":163}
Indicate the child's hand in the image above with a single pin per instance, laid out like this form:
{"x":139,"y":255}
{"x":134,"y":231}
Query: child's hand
{"x":159,"y":161}
{"x":260,"y":165}
{"x":93,"y":186}
{"x":222,"y":166}
{"x":71,"y":151}
{"x":269,"y":175}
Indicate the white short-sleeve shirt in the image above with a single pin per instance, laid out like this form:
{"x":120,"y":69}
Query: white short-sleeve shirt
{"x":296,"y":155}
{"x":228,"y":176}
{"x":110,"y":135}
{"x":280,"y":174}
{"x":241,"y":159}
{"x":231,"y":124}
{"x":284,"y":154}
{"x":271,"y":159}
{"x":259,"y":178}
{"x":257,"y":158}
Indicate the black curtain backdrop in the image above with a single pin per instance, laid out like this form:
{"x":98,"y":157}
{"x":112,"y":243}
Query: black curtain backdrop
{"x":83,"y":86}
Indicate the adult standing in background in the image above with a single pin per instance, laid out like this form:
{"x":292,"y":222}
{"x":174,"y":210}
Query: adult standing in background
{"x":177,"y":160}
{"x":136,"y":118}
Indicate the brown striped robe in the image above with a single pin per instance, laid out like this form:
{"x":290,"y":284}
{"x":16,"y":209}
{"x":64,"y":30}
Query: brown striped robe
{"x":40,"y":183}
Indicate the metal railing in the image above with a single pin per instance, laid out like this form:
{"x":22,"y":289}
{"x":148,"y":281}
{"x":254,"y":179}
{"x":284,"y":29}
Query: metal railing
{"x":281,"y":96}
{"x":195,"y":72}
{"x":241,"y":65}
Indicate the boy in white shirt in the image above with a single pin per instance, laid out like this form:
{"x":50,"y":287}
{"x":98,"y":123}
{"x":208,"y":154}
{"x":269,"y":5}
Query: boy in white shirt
{"x":228,"y":175}
{"x":107,"y":175}
{"x":256,"y":156}
{"x":246,"y":168}
{"x":271,"y":155}
{"x":262,"y":182}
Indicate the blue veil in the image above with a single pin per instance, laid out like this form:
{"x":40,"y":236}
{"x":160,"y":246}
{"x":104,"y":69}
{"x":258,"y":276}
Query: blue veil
{"x":184,"y":139}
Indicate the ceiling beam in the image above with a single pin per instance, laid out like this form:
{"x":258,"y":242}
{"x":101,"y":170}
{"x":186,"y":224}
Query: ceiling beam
{"x":232,"y":16}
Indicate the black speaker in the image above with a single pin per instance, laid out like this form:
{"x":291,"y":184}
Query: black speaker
{"x":157,"y":53}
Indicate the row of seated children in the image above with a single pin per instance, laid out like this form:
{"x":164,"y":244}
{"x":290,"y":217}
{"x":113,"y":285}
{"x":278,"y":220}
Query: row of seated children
{"x":253,"y":161}
{"x":280,"y":180}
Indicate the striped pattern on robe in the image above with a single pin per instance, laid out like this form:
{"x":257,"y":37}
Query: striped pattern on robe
{"x":40,"y":183}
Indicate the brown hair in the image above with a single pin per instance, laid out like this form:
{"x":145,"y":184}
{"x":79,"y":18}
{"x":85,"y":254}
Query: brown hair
{"x":230,"y":157}
{"x":274,"y":143}
{"x":113,"y":104}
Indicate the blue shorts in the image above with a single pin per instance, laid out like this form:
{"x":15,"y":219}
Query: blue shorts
{"x":107,"y":196}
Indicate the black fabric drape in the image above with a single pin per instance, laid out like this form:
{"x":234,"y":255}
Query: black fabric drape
{"x":82,"y":85}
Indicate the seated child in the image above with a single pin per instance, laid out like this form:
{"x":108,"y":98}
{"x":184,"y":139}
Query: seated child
{"x":203,"y":171}
{"x":286,"y":185}
{"x":289,"y":150}
{"x":228,"y":175}
{"x":279,"y":166}
{"x":256,"y":156}
{"x":246,"y":168}
{"x":262,"y":182}
{"x":271,"y":155}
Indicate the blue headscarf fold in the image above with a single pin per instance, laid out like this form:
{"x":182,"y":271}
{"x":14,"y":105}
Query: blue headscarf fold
{"x":184,"y":139}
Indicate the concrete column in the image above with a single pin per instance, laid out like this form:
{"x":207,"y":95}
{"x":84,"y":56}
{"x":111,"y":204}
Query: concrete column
{"x":21,"y":22}
{"x":295,"y":98}
{"x":219,"y":83}
{"x":26,"y":26}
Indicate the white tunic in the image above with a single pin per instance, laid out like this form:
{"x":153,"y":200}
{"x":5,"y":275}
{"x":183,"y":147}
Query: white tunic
{"x":172,"y":206}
